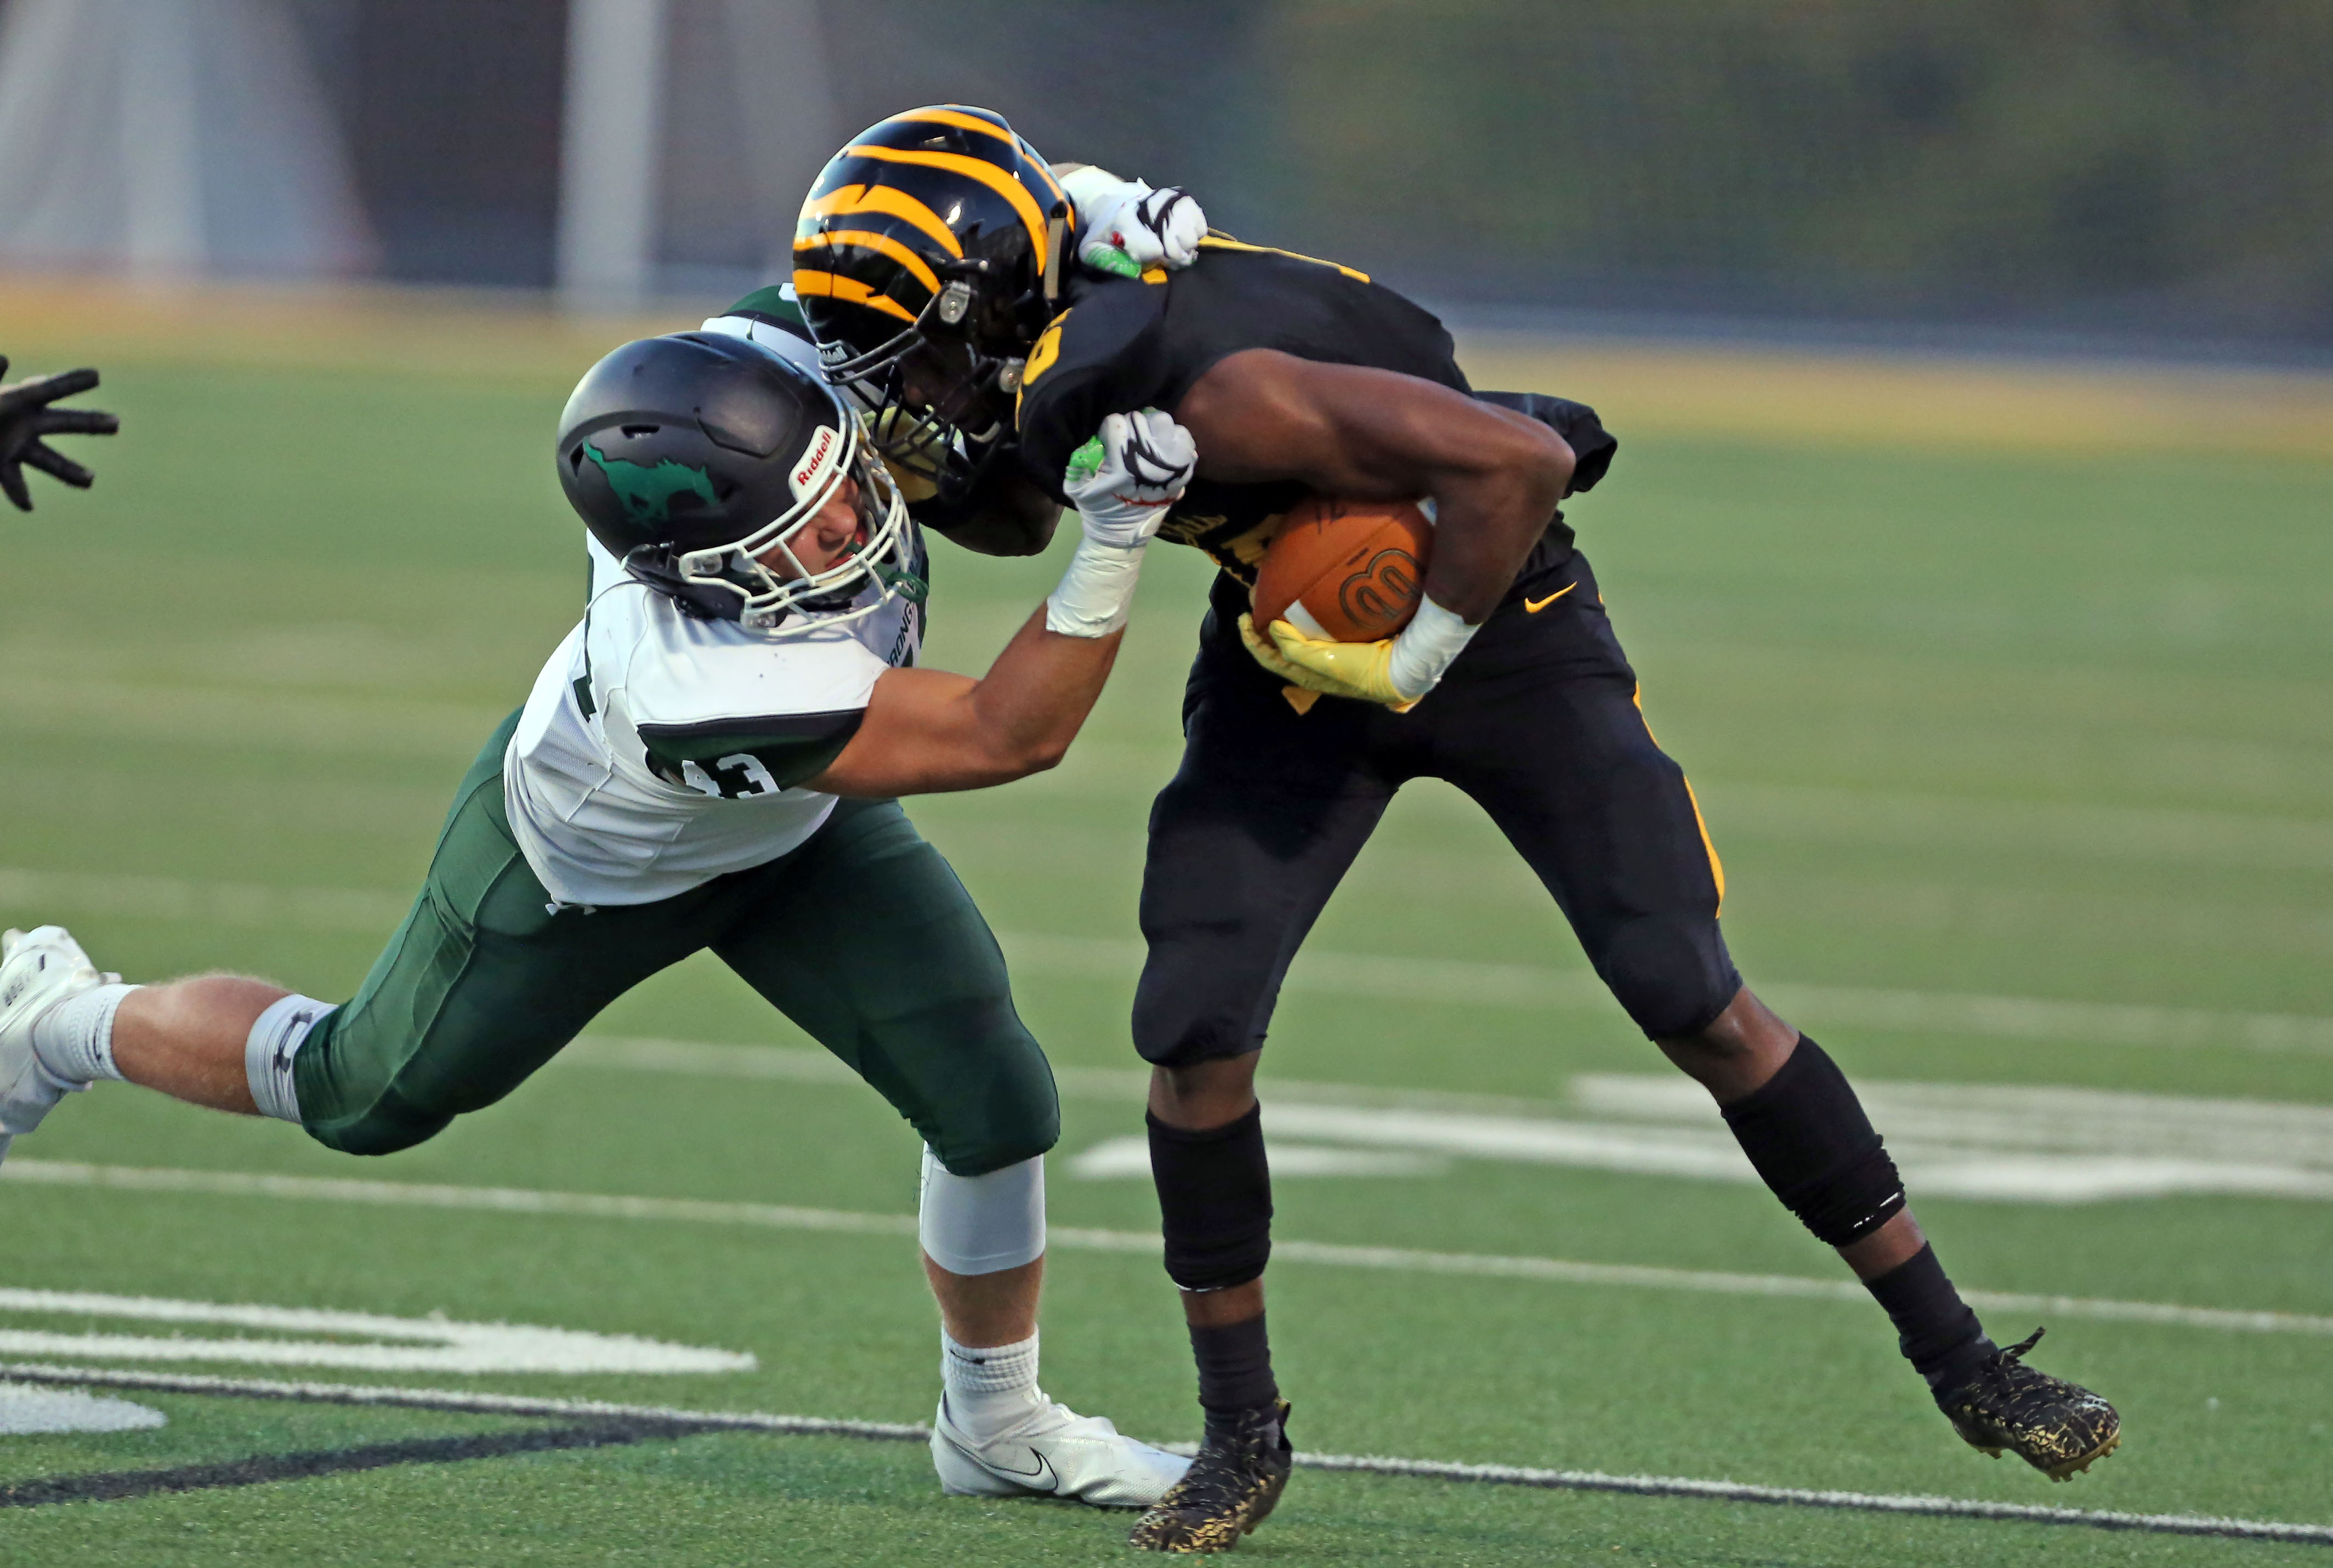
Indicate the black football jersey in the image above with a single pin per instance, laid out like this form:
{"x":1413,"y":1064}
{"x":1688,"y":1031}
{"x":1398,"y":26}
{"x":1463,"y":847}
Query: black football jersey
{"x":1125,"y":345}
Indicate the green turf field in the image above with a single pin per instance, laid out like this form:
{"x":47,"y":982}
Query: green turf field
{"x":2048,"y":730}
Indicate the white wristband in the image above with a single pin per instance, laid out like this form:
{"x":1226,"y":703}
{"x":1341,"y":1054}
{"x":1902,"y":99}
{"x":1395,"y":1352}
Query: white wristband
{"x":1095,"y":591}
{"x":1425,"y":648}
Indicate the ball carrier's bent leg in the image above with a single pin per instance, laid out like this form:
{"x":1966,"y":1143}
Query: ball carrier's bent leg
{"x":1246,"y":844}
{"x":1608,"y":821}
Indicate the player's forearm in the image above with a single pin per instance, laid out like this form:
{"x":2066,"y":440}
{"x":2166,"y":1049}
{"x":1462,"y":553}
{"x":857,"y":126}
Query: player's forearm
{"x":929,"y":732}
{"x":1035,"y":697}
{"x":1009,"y":516}
{"x":1495,"y":477}
{"x":1486,"y":525}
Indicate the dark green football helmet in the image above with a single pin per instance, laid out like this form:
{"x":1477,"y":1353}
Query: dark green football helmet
{"x":692,"y":457}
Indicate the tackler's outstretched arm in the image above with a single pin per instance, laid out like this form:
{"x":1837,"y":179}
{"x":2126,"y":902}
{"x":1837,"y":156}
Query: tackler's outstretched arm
{"x":926,"y":730}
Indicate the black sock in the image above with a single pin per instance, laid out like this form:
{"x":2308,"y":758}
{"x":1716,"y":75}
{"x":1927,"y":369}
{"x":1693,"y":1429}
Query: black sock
{"x":1234,"y":1367}
{"x":1936,"y":1330}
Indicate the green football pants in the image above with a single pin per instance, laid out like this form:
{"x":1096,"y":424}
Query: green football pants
{"x":863,"y":937}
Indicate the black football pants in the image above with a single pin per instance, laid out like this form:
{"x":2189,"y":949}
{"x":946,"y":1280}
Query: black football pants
{"x":1537,"y":721}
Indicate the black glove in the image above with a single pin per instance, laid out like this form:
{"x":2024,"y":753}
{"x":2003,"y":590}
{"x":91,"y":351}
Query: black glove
{"x":25,"y":418}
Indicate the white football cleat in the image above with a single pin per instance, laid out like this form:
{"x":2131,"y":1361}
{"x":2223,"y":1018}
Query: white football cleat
{"x":1054,"y":1453}
{"x":38,"y":969}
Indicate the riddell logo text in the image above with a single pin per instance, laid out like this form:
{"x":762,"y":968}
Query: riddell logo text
{"x":819,"y":458}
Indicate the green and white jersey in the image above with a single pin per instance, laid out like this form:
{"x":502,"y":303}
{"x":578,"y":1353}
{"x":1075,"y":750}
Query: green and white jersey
{"x":657,"y":751}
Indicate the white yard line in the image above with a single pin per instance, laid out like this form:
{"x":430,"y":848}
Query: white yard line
{"x":1399,"y":1260}
{"x":470,"y":1402}
{"x":414,"y":1344}
{"x":1992,"y":1142}
{"x":1377,"y":976}
{"x":465,"y":1399}
{"x":1384,"y":978}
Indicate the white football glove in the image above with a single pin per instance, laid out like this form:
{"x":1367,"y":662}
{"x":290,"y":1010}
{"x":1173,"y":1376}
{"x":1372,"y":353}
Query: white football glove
{"x":1123,"y":481}
{"x":1129,"y":227}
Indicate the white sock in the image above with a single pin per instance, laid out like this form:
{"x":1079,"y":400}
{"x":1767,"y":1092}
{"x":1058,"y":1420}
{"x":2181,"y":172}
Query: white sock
{"x":272,"y":1045}
{"x":989,"y":1390}
{"x":74,"y":1039}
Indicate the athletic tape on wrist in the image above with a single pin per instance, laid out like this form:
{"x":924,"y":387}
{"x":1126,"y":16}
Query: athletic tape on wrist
{"x":74,"y":1040}
{"x":1424,"y":650}
{"x":983,"y":1223}
{"x":273,"y":1046}
{"x":1097,"y":591}
{"x":1807,"y":1137}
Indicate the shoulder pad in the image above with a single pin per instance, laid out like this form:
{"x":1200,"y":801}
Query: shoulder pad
{"x":774,"y":303}
{"x":787,"y":340}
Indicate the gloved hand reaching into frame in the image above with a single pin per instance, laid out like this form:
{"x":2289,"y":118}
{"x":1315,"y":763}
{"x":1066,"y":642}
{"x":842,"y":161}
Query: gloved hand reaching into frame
{"x":27,"y":419}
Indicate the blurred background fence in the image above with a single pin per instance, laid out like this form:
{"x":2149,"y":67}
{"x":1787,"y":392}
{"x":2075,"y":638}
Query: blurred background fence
{"x":2153,"y":172}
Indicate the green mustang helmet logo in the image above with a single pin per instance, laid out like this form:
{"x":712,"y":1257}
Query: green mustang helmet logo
{"x":647,"y":493}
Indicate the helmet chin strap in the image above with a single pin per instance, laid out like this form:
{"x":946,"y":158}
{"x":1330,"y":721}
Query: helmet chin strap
{"x":1057,"y":233}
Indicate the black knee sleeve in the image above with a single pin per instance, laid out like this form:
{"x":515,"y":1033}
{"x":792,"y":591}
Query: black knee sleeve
{"x":1671,"y":972}
{"x":1806,"y":1134}
{"x":1215,"y":1201}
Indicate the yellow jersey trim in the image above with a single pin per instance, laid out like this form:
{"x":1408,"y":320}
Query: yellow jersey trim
{"x":1225,"y":242}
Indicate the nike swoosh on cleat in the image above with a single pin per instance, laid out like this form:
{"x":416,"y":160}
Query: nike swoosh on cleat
{"x":1028,"y":1478}
{"x":1053,"y":1482}
{"x":1533,"y":606}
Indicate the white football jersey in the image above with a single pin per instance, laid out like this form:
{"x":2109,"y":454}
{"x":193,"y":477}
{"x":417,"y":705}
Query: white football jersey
{"x":657,"y":751}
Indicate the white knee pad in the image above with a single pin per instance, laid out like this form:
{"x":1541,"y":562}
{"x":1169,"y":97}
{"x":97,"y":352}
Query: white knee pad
{"x":273,"y":1043}
{"x":983,"y":1223}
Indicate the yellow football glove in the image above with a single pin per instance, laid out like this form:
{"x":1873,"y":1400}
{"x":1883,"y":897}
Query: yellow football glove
{"x":1360,"y":670}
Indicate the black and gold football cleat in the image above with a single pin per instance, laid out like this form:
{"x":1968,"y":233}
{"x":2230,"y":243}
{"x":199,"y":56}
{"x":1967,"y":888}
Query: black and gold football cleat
{"x":2057,"y":1427}
{"x":1230,"y":1489}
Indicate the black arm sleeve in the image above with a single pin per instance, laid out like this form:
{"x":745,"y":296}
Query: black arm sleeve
{"x":1591,"y":444}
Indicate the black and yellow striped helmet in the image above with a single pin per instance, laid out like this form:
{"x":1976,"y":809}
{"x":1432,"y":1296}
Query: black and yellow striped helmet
{"x":927,"y":260}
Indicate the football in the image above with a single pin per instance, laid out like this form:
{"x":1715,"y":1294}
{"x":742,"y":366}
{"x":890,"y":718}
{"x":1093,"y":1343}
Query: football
{"x":1347,"y":571}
